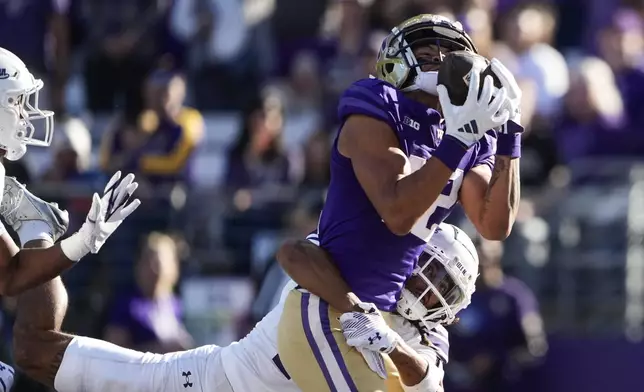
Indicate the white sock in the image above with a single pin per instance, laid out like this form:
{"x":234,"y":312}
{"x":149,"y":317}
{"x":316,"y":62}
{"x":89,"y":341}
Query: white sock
{"x":34,"y":230}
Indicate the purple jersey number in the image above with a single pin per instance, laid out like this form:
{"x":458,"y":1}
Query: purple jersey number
{"x":424,"y":228}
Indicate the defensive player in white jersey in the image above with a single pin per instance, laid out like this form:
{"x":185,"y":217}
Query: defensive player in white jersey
{"x":75,"y":363}
{"x":21,"y":269}
{"x":18,"y":111}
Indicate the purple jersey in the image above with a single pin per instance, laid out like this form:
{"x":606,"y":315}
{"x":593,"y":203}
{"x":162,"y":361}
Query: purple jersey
{"x":374,"y":261}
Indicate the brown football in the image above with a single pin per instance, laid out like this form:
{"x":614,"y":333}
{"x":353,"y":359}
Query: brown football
{"x":454,"y":74}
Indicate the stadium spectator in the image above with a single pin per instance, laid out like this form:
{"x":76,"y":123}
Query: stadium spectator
{"x":595,"y":122}
{"x":121,"y":47}
{"x":499,"y":335}
{"x":228,"y":46}
{"x":621,"y":44}
{"x":148,"y":317}
{"x":261,"y":178}
{"x":161,"y":142}
{"x":38,"y":32}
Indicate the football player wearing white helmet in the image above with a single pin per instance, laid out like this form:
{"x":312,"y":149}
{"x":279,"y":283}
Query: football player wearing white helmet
{"x":75,"y":363}
{"x":441,"y":285}
{"x":39,"y":224}
{"x":23,"y":123}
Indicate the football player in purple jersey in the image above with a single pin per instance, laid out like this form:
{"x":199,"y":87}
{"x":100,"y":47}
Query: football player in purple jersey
{"x":402,"y":159}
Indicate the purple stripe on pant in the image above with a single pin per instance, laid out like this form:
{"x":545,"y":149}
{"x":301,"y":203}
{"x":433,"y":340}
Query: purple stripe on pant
{"x":311,"y":340}
{"x":328,"y":333}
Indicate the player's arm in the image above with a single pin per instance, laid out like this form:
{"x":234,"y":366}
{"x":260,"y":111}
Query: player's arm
{"x":490,"y":197}
{"x":21,"y":269}
{"x":24,"y":269}
{"x":384,"y":172}
{"x":312,"y":267}
{"x":415,"y":370}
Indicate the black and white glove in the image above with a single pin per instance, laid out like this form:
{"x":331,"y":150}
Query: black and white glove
{"x":469,"y":122}
{"x":515,"y":94}
{"x":368,"y":332}
{"x":105,"y":215}
{"x":7,"y":375}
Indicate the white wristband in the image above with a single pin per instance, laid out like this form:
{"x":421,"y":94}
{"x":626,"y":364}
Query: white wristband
{"x":74,"y":247}
{"x":34,"y":230}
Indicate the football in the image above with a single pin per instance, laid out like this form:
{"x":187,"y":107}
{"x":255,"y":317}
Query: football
{"x":454,"y":74}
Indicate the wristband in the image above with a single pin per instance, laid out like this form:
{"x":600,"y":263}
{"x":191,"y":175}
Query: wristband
{"x":74,"y":247}
{"x":450,"y":151}
{"x":509,"y":145}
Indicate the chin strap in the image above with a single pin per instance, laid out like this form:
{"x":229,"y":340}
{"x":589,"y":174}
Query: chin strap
{"x":425,"y":81}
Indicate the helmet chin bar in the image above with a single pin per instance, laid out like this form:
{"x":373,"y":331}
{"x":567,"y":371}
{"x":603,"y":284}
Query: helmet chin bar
{"x":427,"y":82}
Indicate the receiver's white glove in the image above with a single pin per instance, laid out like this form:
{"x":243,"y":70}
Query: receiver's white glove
{"x":515,"y":94}
{"x":105,"y":215}
{"x":368,"y":332}
{"x":468,"y":123}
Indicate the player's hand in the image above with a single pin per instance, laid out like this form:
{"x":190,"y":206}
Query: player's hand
{"x":468,"y":123}
{"x":7,"y":375}
{"x":368,"y":332}
{"x":515,"y":94}
{"x":105,"y":215}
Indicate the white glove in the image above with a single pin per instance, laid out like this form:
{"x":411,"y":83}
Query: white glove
{"x":515,"y":94}
{"x":105,"y":215}
{"x":468,"y":123}
{"x":369,"y":333}
{"x":7,"y":375}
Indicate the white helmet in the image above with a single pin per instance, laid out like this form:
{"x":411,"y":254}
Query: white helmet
{"x":19,"y":107}
{"x":445,"y":274}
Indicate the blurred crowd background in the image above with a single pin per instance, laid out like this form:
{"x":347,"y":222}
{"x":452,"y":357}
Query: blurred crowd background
{"x":225,"y":110}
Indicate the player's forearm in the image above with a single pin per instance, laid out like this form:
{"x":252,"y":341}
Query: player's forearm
{"x":412,"y":366}
{"x":31,"y":267}
{"x":312,"y":268}
{"x":414,"y":195}
{"x":501,"y":202}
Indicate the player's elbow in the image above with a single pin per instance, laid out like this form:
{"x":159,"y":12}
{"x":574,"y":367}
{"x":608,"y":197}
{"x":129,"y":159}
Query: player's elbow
{"x":399,"y":227}
{"x":398,"y":222}
{"x":498,"y":232}
{"x":285,"y":255}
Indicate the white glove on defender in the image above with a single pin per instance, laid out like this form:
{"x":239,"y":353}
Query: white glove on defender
{"x":7,"y":374}
{"x":468,"y":123}
{"x":105,"y":215}
{"x":515,"y":94}
{"x":369,"y":333}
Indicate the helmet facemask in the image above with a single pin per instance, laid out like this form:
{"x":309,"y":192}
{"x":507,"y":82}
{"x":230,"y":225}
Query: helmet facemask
{"x":436,"y":291}
{"x":19,"y":110}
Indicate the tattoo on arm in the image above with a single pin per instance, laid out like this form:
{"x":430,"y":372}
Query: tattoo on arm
{"x":504,"y":165}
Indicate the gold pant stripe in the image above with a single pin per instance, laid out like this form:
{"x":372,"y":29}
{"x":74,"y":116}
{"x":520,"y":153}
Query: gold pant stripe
{"x":315,"y":354}
{"x":317,"y":328}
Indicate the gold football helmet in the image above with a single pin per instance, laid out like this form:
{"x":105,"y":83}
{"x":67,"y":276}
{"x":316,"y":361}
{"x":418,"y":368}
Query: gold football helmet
{"x":397,"y":63}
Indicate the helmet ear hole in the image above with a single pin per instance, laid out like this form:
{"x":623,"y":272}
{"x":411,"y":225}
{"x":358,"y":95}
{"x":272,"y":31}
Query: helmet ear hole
{"x":389,"y":67}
